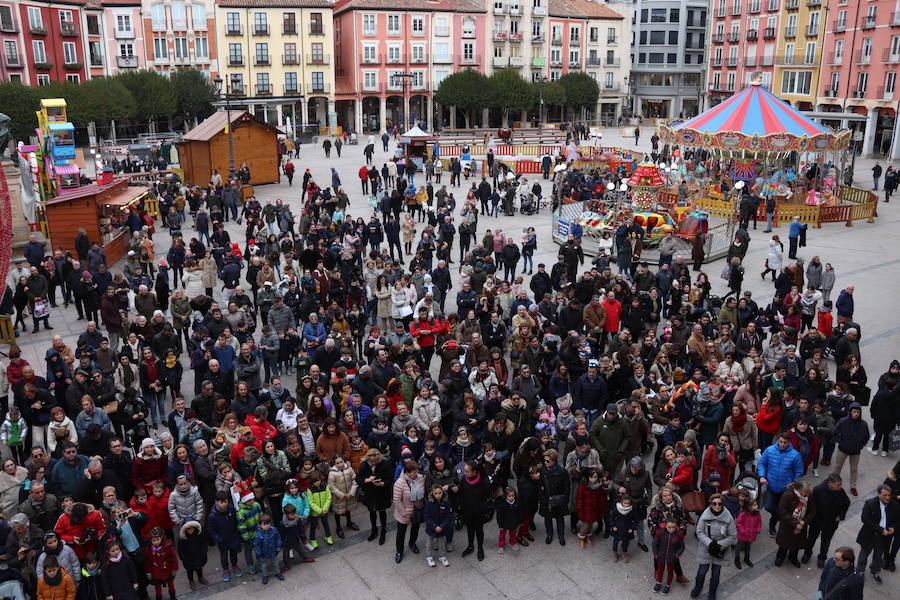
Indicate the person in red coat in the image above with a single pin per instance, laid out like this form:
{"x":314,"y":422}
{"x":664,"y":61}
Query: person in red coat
{"x":590,"y":505}
{"x":149,"y":466}
{"x":247,"y":439}
{"x":613,"y":310}
{"x":426,"y":330}
{"x":158,"y":508}
{"x":260,"y":427}
{"x":720,"y":458}
{"x":683,"y":470}
{"x":161,"y":563}
{"x":81,"y":528}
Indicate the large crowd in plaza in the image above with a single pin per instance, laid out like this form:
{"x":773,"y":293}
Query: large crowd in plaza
{"x":399,"y":358}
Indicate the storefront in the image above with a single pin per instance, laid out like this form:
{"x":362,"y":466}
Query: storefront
{"x":101,"y":210}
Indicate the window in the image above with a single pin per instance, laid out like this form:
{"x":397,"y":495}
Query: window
{"x":370,"y":53}
{"x":126,"y":49}
{"x":838,"y":50}
{"x":6,"y":19}
{"x":233,"y":23}
{"x":789,"y":54}
{"x":611,"y":35}
{"x":35,"y":19}
{"x":890,"y":81}
{"x":468,"y":51}
{"x":318,"y":52}
{"x":535,"y":29}
{"x":16,"y":78}
{"x":418,"y":53}
{"x":867,"y":47}
{"x":370,"y":80}
{"x":179,"y":16}
{"x":40,"y":53}
{"x":498,"y":52}
{"x":574,"y":57}
{"x":315,"y":23}
{"x":260,"y":24}
{"x":671,"y":58}
{"x":290,"y":83}
{"x":555,"y":56}
{"x":262,"y":83}
{"x":574,"y":34}
{"x":181,"y":47}
{"x":418,"y":80}
{"x":158,"y":17}
{"x":289,"y":23}
{"x":43,"y":79}
{"x":393,"y":24}
{"x":442,"y":52}
{"x":609,"y":80}
{"x":674,"y":15}
{"x":290,"y":53}
{"x":796,"y":82}
{"x":368,"y":24}
{"x":468,"y":27}
{"x":123,"y":23}
{"x":835,"y":81}
{"x":658,"y":15}
{"x":198,"y":17}
{"x":93,"y":24}
{"x":418,"y":25}
{"x":730,"y":80}
{"x":235,"y":54}
{"x":262,"y":53}
{"x":895,"y":45}
{"x":657,"y":37}
{"x":73,"y":78}
{"x":656,"y":57}
{"x":862,"y":82}
{"x":842,"y":19}
{"x":11,"y":51}
{"x":441,"y":27}
{"x":594,"y":34}
{"x":160,"y":48}
{"x":237,"y":83}
{"x":70,"y":55}
{"x":810,"y":57}
{"x":201,"y":47}
{"x":673,"y":37}
{"x":318,"y":81}
{"x":514,"y":27}
{"x":440,"y":76}
{"x":393,"y":53}
{"x":736,"y":7}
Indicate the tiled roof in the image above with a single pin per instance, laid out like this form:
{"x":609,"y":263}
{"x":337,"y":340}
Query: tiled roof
{"x":467,"y":6}
{"x":585,"y":9}
{"x":99,"y":4}
{"x":215,"y":124}
{"x":275,"y":3}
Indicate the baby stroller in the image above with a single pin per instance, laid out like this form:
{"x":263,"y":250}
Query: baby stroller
{"x":748,"y":480}
{"x":528,"y":204}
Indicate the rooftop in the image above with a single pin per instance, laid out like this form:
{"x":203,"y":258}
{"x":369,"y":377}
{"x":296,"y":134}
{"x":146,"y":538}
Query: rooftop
{"x":583,"y":9}
{"x":467,"y":6}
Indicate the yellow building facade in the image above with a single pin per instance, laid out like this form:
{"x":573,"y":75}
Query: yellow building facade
{"x":798,"y":57}
{"x":276,"y":58}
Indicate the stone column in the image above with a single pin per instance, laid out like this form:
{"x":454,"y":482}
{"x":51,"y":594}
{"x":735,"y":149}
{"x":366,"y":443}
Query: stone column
{"x":405,"y":126}
{"x":330,"y":110}
{"x":429,"y":114}
{"x":869,"y":135}
{"x":304,"y":111}
{"x":452,"y":117}
{"x":280,"y":114}
{"x":357,"y":109}
{"x":382,"y":115}
{"x":895,"y":144}
{"x":485,"y":117}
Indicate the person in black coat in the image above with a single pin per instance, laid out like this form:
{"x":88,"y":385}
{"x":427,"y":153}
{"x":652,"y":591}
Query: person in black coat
{"x":554,"y":496}
{"x":374,"y":479}
{"x":119,"y":575}
{"x":872,"y":537}
{"x":474,"y":506}
{"x":509,"y":518}
{"x":885,"y":411}
{"x":839,"y":579}
{"x":529,"y":486}
{"x":831,"y":502}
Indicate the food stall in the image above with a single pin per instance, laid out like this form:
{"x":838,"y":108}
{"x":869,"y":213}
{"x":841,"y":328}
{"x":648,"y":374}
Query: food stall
{"x":415,"y":144}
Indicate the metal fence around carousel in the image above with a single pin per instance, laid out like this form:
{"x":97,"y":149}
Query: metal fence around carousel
{"x":856,"y":205}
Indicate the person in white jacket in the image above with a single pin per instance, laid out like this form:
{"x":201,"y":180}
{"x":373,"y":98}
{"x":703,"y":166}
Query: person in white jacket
{"x":426,"y":406}
{"x":53,"y":546}
{"x":60,"y":430}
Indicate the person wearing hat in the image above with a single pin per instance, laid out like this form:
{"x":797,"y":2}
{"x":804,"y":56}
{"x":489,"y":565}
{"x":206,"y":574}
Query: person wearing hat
{"x":589,"y":393}
{"x":609,"y":436}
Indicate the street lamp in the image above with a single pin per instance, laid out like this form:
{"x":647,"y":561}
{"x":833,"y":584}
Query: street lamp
{"x":218,"y":82}
{"x":404,"y":80}
{"x":541,"y":82}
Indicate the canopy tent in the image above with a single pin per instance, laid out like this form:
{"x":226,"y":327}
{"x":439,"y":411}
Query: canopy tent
{"x":753,"y":122}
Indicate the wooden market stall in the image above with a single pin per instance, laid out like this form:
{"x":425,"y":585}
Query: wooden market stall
{"x":101,"y":210}
{"x":205,"y":147}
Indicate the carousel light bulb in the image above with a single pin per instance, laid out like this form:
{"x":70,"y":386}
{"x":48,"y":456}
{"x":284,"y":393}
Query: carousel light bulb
{"x":610,"y":186}
{"x":624,"y":188}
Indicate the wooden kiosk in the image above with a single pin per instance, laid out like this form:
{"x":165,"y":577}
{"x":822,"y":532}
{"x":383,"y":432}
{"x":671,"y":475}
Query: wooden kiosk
{"x":205,"y":148}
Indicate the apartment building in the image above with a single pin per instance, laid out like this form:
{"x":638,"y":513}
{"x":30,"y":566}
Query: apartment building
{"x":51,"y":40}
{"x":391,"y":55}
{"x":799,"y":54}
{"x":12,"y":62}
{"x":668,"y":55}
{"x":177,"y":34}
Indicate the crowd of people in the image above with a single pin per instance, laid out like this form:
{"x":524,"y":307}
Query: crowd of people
{"x":331,"y":377}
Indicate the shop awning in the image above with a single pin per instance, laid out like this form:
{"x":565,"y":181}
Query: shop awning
{"x":69,"y":169}
{"x":127,"y":197}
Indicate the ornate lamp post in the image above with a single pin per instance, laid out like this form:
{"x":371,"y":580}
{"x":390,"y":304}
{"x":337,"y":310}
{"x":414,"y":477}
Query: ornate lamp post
{"x":225,"y":95}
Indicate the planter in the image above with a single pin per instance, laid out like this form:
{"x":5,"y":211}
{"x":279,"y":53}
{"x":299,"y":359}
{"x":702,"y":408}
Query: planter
{"x":38,"y":31}
{"x":73,"y":66}
{"x":43,"y":66}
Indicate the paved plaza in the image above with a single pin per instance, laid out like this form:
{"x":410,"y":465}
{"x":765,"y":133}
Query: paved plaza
{"x":865,"y":255}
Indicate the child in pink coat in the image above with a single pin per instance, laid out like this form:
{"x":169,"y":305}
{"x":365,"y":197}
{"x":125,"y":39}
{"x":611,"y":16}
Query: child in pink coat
{"x":749,"y":524}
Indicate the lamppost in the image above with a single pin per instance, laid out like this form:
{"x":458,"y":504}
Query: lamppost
{"x":541,"y":82}
{"x":404,"y":80}
{"x":218,"y":82}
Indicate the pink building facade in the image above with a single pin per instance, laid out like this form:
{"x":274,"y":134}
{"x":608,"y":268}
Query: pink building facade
{"x":859,"y":73}
{"x":122,"y":43}
{"x":390,"y":57}
{"x":12,"y":63}
{"x":743,"y":39}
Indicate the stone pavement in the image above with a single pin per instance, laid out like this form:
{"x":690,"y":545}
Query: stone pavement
{"x":864,"y":255}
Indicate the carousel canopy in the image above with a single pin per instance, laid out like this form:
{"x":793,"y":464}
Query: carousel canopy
{"x":754,"y":120}
{"x":646,"y":175}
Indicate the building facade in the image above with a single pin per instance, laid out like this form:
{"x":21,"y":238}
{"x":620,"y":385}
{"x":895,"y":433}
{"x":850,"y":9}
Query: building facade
{"x":744,"y":39}
{"x":799,"y":54}
{"x":13,"y":62}
{"x":52,"y":40}
{"x":391,"y":56}
{"x":859,"y":73}
{"x":520,"y":35}
{"x":277,"y":58}
{"x":176,"y":34}
{"x":121,"y":45}
{"x":668,"y":58}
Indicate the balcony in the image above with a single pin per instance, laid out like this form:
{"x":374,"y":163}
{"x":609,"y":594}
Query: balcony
{"x":499,"y":62}
{"x":290,"y":59}
{"x":37,"y":30}
{"x":612,"y":61}
{"x":289,"y":29}
{"x":752,"y":35}
{"x":515,"y":38}
{"x":43,"y":66}
{"x":696,"y":25}
{"x":262,"y":61}
{"x":468,"y":33}
{"x":885,"y":95}
{"x":556,"y":62}
{"x":471,"y":60}
{"x":792,"y":4}
{"x":235,"y":90}
{"x":124,"y":34}
{"x":556,"y":41}
{"x":860,"y":58}
{"x":394,"y":60}
{"x":594,"y":61}
{"x":515,"y":11}
{"x":733,"y":37}
{"x":812,"y":30}
{"x":890,"y":58}
{"x":235,"y":61}
{"x":264,"y":89}
{"x":767,"y":61}
{"x":371,"y":60}
{"x":839,"y":26}
{"x":316,"y":30}
{"x":516,"y":62}
{"x":790,"y":32}
{"x":717,"y":61}
{"x":261,"y":30}
{"x":318,"y":59}
{"x":319,"y":88}
{"x":575,"y":63}
{"x":127,"y":62}
{"x":859,"y":93}
{"x":830,"y":93}
{"x":538,"y":62}
{"x":732,"y":61}
{"x":895,"y":19}
{"x":499,"y":36}
{"x":234,"y":30}
{"x":769,"y":33}
{"x":718,"y":38}
{"x":749,"y":61}
{"x":291,"y":89}
{"x":441,"y":59}
{"x":537,"y":38}
{"x":499,"y":10}
{"x":539,"y":11}
{"x":835,"y":58}
{"x":417,"y":60}
{"x":813,"y":3}
{"x":612,"y":41}
{"x":867,"y":22}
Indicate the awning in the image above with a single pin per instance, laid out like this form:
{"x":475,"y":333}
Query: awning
{"x":69,"y":169}
{"x":127,"y":198}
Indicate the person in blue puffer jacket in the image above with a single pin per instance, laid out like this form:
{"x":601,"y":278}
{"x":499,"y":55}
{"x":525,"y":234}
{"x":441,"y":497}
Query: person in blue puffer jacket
{"x":778,"y":467}
{"x":851,"y":434}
